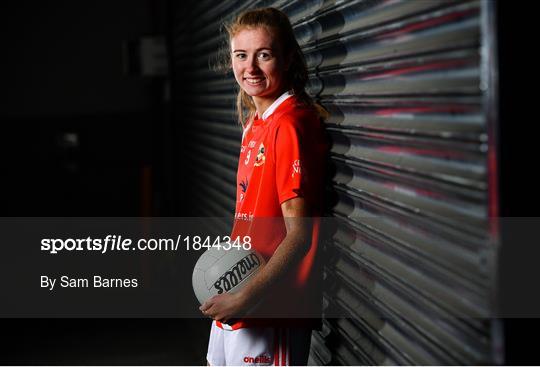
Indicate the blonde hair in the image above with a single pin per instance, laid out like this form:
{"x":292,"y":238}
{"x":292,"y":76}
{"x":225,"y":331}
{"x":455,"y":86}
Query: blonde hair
{"x":278,"y":24}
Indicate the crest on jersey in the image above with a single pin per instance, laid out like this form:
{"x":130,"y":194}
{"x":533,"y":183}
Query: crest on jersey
{"x":260,"y":158}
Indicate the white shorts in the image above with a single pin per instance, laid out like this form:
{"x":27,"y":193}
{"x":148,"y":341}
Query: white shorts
{"x":258,"y":346}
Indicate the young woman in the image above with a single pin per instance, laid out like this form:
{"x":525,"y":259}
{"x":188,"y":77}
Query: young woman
{"x":279,"y":197}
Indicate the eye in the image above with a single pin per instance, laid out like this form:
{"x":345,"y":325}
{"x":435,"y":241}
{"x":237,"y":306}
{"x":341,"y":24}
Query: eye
{"x":264,"y":55}
{"x":240,"y":55}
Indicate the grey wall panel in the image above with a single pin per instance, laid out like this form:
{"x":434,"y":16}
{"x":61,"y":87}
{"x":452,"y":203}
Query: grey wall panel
{"x":409,"y":262}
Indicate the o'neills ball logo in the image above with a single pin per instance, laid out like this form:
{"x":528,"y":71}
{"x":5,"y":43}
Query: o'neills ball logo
{"x":237,"y":273}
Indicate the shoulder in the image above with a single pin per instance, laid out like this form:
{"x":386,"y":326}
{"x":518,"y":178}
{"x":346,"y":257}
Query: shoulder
{"x":296,"y":115}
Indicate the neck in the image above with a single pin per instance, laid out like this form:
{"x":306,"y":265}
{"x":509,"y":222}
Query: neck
{"x":262,"y":103}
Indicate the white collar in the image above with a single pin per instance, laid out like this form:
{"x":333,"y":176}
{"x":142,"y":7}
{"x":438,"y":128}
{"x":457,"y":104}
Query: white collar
{"x":270,"y":110}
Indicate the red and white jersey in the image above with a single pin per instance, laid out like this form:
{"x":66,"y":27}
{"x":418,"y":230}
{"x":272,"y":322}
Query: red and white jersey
{"x":282,"y":157}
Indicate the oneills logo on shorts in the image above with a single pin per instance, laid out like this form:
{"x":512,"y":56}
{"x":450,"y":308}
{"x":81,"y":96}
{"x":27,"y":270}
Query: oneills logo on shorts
{"x":237,"y":273}
{"x":263,"y":359}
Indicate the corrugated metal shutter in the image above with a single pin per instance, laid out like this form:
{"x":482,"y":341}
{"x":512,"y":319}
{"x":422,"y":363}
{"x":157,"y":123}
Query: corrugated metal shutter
{"x":411,"y":258}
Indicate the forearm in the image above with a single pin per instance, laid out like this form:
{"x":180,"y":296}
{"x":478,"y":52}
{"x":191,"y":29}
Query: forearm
{"x":287,"y":255}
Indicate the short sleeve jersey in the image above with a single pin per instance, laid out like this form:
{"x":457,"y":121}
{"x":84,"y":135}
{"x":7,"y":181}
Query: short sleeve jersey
{"x":281,"y":157}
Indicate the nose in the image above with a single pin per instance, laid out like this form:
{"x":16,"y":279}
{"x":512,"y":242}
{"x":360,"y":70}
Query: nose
{"x":252,"y":66}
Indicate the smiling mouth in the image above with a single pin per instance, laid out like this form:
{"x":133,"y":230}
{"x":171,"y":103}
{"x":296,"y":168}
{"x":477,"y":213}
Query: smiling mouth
{"x":254,"y":81}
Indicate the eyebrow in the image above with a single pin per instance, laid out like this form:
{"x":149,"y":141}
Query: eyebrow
{"x":259,"y":49}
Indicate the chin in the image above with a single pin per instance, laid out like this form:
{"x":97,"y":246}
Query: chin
{"x":254,"y":91}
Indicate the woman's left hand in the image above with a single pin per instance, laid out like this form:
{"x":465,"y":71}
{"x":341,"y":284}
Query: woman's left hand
{"x":224,"y":307}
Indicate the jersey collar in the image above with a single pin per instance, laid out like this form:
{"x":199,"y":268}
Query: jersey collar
{"x":270,"y":110}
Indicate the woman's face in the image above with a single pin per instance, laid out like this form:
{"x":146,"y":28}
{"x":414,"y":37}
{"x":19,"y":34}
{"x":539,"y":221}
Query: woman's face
{"x":258,"y":63}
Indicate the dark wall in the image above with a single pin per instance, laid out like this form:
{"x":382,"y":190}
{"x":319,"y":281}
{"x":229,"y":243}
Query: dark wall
{"x":64,"y":58}
{"x":79,"y":135}
{"x":80,"y":138}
